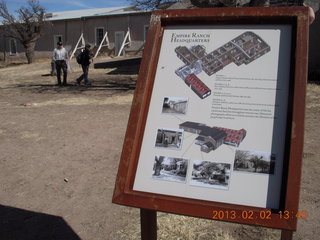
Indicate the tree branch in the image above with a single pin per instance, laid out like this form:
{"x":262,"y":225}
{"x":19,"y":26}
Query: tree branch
{"x":26,"y":26}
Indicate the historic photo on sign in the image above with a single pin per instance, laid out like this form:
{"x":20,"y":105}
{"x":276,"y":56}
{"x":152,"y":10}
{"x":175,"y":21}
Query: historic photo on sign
{"x":254,"y":162}
{"x":210,"y":174}
{"x":170,"y":169}
{"x":169,"y":138}
{"x":174,"y":105}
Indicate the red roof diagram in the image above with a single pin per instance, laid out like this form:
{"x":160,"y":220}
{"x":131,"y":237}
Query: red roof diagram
{"x":197,"y":86}
{"x":234,"y":137}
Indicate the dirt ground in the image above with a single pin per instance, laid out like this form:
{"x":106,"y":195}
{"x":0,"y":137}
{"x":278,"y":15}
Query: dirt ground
{"x":60,"y":149}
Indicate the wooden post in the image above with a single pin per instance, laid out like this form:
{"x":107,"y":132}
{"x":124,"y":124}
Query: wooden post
{"x":148,"y":221}
{"x":286,"y":235}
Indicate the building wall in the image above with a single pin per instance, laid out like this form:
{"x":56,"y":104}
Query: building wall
{"x":5,"y":46}
{"x":70,"y":30}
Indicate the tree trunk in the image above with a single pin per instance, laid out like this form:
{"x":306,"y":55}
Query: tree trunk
{"x":5,"y":57}
{"x":158,"y":166}
{"x":157,"y":170}
{"x":29,"y":47}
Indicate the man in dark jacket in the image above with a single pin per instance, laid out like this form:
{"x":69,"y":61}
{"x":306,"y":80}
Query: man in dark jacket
{"x":86,"y":59}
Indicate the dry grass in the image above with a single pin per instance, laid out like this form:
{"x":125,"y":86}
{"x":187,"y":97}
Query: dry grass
{"x":313,"y":95}
{"x":174,"y":227}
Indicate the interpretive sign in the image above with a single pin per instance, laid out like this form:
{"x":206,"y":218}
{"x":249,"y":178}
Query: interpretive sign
{"x":216,"y":124}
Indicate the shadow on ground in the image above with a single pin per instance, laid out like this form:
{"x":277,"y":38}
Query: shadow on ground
{"x":317,"y":82}
{"x":27,"y":225}
{"x":74,"y":88}
{"x":122,"y":78}
{"x":4,"y":65}
{"x":134,"y":69}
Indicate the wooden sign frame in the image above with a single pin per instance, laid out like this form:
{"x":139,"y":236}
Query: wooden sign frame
{"x":285,"y":217}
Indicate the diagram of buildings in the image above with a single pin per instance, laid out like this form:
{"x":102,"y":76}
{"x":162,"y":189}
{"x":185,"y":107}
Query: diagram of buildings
{"x":210,"y":138}
{"x":243,"y":49}
{"x":188,"y":73}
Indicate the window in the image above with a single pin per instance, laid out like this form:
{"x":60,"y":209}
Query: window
{"x":57,"y":38}
{"x":13,"y":47}
{"x":99,"y":35}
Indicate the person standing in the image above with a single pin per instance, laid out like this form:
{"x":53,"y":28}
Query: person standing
{"x":60,"y":57}
{"x":86,"y":58}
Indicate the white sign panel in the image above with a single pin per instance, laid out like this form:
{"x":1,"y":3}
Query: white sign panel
{"x":216,"y":125}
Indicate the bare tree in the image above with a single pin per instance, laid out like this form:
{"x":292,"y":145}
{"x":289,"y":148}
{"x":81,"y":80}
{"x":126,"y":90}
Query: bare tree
{"x":240,"y":158}
{"x":25,"y":26}
{"x":158,"y":165}
{"x":150,"y":4}
{"x":257,"y":162}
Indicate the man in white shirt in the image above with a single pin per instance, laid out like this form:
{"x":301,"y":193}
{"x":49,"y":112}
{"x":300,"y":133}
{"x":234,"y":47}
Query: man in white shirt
{"x":60,"y":56}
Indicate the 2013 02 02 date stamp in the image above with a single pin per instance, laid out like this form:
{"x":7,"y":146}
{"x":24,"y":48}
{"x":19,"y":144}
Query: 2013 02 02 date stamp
{"x":254,"y":215}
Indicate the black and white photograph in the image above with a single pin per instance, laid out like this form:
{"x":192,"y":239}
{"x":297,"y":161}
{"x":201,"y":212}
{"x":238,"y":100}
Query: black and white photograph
{"x":210,"y":174}
{"x":169,"y":138}
{"x":254,"y":162}
{"x":170,"y":169}
{"x":174,"y":105}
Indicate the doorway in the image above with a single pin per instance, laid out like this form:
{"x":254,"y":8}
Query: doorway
{"x":118,"y":40}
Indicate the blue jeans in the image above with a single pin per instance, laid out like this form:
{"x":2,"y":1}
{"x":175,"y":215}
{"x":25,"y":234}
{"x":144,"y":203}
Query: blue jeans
{"x":85,"y":69}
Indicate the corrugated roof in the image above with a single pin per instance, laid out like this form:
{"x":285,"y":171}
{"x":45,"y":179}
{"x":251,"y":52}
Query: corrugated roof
{"x":95,"y":12}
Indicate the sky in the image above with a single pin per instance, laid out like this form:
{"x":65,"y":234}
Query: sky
{"x":67,"y":5}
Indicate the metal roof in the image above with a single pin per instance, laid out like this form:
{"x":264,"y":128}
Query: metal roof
{"x":95,"y":12}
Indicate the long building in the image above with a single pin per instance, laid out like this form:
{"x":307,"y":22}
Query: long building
{"x":94,"y":23}
{"x":68,"y":26}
